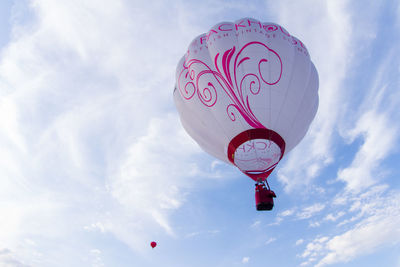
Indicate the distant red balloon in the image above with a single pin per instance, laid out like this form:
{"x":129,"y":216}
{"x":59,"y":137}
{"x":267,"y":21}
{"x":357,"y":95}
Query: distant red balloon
{"x":153,"y":244}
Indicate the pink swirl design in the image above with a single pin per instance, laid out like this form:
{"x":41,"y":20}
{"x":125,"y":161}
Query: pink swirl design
{"x":223,"y":79}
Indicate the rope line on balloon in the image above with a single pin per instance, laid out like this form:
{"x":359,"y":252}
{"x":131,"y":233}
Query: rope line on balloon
{"x":266,"y":183}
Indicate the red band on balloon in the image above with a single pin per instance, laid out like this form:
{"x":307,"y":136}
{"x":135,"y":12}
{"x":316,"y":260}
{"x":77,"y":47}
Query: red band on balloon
{"x":251,"y":134}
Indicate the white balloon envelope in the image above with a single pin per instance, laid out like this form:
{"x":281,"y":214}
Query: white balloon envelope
{"x":247,"y":92}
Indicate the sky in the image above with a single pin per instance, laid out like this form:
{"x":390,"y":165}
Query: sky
{"x":94,"y":163}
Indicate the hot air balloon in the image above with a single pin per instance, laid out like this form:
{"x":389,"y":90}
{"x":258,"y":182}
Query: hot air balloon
{"x":153,"y":244}
{"x":247,"y":93}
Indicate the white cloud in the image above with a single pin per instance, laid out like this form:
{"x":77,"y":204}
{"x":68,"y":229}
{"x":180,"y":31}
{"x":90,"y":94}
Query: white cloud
{"x":98,"y":226}
{"x":314,"y":224}
{"x":153,"y":178}
{"x":379,"y":220}
{"x":379,"y":135}
{"x":245,"y":260}
{"x":256,"y":224}
{"x":96,"y":258}
{"x":270,"y":240}
{"x":304,"y":213}
{"x":286,"y":213}
{"x":277,"y":221}
{"x":87,"y":139}
{"x":334,"y":217}
{"x":7,"y":259}
{"x":310,"y":211}
{"x":299,"y":242}
{"x":193,"y":234}
{"x":207,"y":233}
{"x":375,"y":126}
{"x":315,"y":246}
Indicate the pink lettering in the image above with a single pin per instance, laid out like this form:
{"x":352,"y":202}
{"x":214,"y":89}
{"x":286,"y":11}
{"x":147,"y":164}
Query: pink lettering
{"x":270,"y":27}
{"x":256,"y":22}
{"x":261,"y":145}
{"x":242,"y":147}
{"x":239,"y":25}
{"x":251,"y":146}
{"x":224,"y":29}
{"x":210,"y":33}
{"x":202,"y":39}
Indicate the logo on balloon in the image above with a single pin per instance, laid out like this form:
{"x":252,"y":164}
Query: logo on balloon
{"x":257,"y":155}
